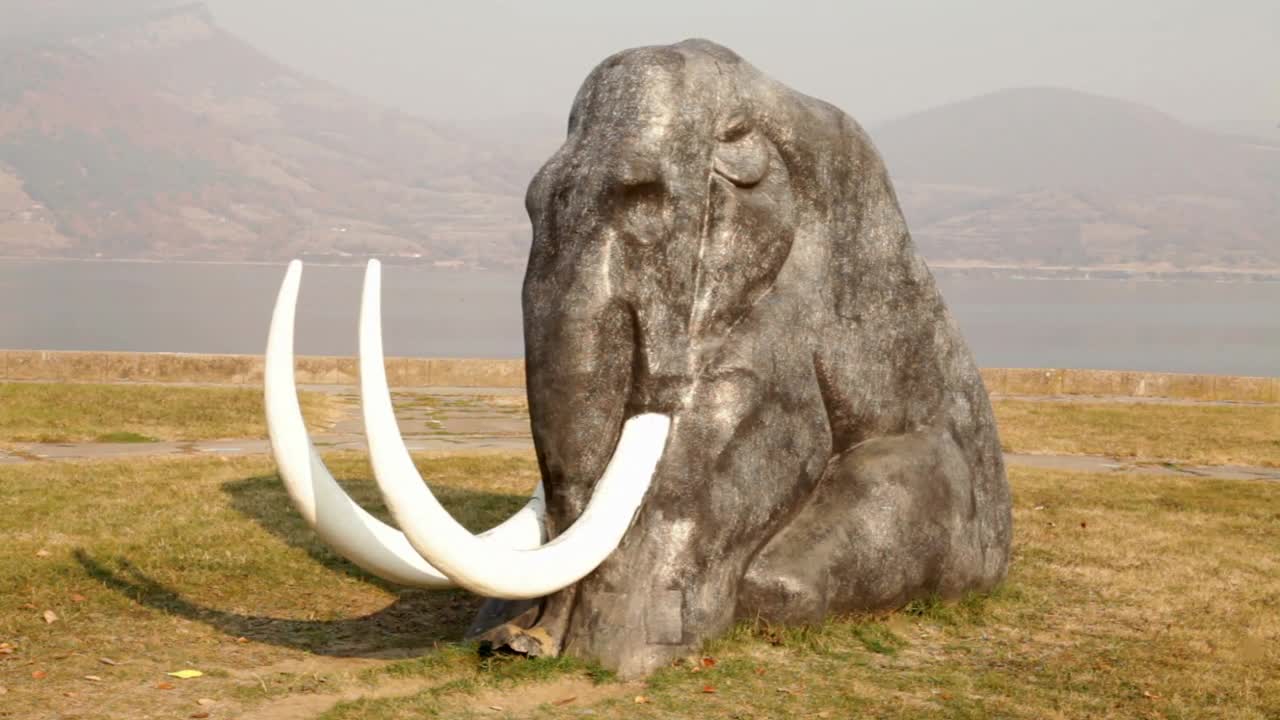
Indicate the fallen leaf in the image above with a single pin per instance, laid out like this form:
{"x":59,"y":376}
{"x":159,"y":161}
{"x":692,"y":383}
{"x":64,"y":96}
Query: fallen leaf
{"x":68,"y":694}
{"x":200,"y":715}
{"x":496,"y":707}
{"x":185,"y":674}
{"x":50,"y":617}
{"x":42,"y":553}
{"x":162,"y":685}
{"x":791,"y":690}
{"x":205,"y":702}
{"x":565,"y":701}
{"x":641,"y":700}
{"x":708,"y":662}
{"x":7,"y":649}
{"x":39,"y":674}
{"x":107,"y":661}
{"x":1150,"y":695}
{"x":77,"y":597}
{"x":242,"y":640}
{"x":708,"y":689}
{"x":760,"y":671}
{"x":94,"y":678}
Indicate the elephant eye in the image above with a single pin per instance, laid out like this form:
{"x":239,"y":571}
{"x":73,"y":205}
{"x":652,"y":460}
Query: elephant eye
{"x":737,"y":127}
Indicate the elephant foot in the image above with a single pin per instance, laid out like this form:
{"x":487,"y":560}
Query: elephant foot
{"x":893,"y":520}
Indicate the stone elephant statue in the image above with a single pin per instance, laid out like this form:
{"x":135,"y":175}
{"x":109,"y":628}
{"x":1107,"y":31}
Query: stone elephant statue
{"x":747,"y":396}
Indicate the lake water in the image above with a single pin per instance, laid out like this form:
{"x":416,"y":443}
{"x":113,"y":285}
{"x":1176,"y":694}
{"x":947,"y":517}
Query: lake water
{"x":1185,"y":326}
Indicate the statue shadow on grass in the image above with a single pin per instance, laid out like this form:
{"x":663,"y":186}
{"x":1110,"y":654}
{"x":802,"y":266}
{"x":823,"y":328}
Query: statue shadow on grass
{"x":414,"y":620}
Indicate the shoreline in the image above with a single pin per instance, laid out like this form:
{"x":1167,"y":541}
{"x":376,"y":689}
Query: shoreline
{"x":939,"y":268}
{"x":247,"y":370}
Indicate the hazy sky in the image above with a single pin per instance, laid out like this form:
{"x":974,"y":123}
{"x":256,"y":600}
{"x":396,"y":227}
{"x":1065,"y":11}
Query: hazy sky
{"x":1215,"y":64}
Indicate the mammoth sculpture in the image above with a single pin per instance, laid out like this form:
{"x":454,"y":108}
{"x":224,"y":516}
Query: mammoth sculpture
{"x":747,"y":396}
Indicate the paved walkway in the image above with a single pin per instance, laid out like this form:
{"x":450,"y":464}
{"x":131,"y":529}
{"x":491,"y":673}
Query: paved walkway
{"x":470,"y":419}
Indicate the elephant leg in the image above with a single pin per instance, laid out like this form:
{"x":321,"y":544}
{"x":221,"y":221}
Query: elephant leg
{"x":893,"y":519}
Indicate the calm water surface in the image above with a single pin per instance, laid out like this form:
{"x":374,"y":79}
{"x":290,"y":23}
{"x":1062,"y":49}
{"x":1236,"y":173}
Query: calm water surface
{"x":1187,"y":326}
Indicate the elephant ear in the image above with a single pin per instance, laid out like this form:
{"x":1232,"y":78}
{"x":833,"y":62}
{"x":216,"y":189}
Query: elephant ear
{"x":742,"y":153}
{"x":872,"y":253}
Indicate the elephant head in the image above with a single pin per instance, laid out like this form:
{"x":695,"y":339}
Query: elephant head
{"x":746,"y":394}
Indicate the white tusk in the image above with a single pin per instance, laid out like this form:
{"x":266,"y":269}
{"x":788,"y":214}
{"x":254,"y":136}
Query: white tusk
{"x":492,"y":569}
{"x":526,"y":529}
{"x":337,"y":519}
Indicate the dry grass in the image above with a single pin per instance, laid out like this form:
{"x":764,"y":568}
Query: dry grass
{"x":63,"y":412}
{"x":1196,"y":434}
{"x":1128,"y":597}
{"x":164,"y":564}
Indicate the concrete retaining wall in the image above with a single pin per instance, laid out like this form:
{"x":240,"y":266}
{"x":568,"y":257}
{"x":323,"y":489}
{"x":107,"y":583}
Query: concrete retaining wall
{"x":466,"y":372}
{"x":1127,"y":383}
{"x":247,"y":369}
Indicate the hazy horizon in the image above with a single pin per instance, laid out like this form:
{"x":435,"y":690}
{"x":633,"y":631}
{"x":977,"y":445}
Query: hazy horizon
{"x":1205,"y":65}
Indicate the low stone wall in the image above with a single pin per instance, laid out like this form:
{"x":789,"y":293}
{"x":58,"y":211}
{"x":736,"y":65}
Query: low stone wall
{"x":467,"y":372}
{"x":1128,"y":383}
{"x":247,"y":369}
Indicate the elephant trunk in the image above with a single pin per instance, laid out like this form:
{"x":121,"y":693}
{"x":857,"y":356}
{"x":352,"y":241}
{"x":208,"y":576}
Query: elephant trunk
{"x":579,"y":345}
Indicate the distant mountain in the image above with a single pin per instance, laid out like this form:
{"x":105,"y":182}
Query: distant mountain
{"x":141,"y":129}
{"x":149,"y":132}
{"x":1051,"y":177}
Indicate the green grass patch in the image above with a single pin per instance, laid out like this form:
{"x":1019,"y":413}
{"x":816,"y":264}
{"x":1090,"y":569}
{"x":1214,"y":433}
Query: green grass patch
{"x":74,"y":412}
{"x":124,"y":437}
{"x":1149,"y":432}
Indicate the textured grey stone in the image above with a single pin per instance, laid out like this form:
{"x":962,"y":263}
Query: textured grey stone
{"x":711,"y":244}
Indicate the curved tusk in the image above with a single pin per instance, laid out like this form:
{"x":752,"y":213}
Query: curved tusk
{"x":324,"y":505}
{"x":523,"y":530}
{"x":490,"y":569}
